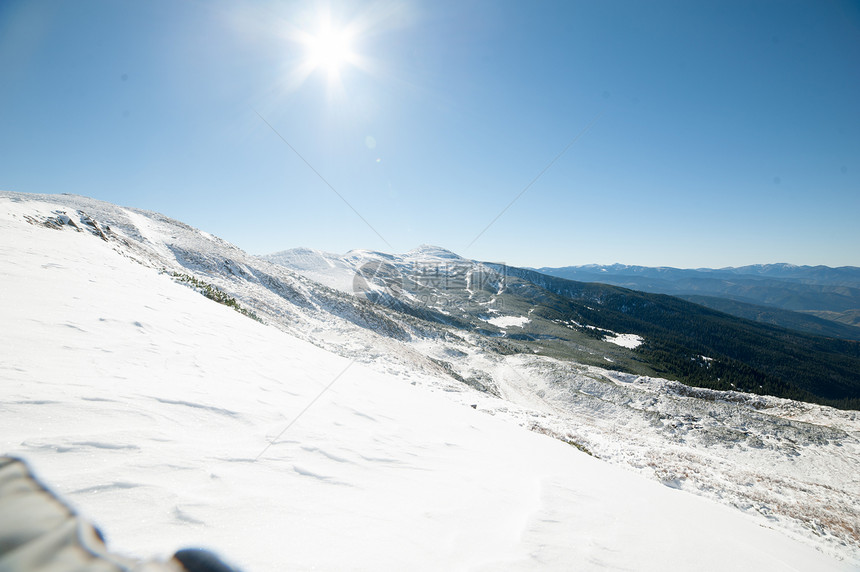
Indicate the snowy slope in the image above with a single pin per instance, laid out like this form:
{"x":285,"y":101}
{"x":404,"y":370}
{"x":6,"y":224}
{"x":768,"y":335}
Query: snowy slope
{"x":332,"y":270}
{"x":339,"y":271}
{"x":147,"y":405}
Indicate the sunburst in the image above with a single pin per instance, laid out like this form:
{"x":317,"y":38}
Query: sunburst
{"x":330,"y":49}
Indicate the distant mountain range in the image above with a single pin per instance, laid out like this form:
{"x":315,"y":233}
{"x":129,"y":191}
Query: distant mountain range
{"x":813,"y":299}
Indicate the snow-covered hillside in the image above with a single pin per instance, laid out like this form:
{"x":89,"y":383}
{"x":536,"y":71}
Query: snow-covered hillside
{"x":171,"y":421}
{"x":795,"y":463}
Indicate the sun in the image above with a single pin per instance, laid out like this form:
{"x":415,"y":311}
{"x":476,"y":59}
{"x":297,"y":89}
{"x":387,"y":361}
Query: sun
{"x":329,"y":50}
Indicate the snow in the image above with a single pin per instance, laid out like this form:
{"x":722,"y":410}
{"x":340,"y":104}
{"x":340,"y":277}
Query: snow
{"x":433,"y":253}
{"x":339,"y":271}
{"x":322,"y":267}
{"x":146,"y":406}
{"x":630,"y":341}
{"x":509,"y":321}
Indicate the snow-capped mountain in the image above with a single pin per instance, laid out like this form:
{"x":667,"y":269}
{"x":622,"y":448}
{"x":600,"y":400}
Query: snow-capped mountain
{"x":368,"y":411}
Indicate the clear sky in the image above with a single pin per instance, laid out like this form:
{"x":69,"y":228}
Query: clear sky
{"x":721,"y":133}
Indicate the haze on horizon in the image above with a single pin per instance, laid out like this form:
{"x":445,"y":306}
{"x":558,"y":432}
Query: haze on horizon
{"x":549,"y":134}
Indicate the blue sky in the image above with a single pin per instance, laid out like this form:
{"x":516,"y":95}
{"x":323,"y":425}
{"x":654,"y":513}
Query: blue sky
{"x":722,"y":133}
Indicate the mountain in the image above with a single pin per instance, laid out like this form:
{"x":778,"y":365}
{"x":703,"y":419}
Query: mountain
{"x":429,"y":400}
{"x":741,"y":353}
{"x":808,"y":292}
{"x":578,"y":321}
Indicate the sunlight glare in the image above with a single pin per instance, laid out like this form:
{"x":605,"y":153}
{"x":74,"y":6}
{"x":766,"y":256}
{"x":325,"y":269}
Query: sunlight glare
{"x":329,"y":49}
